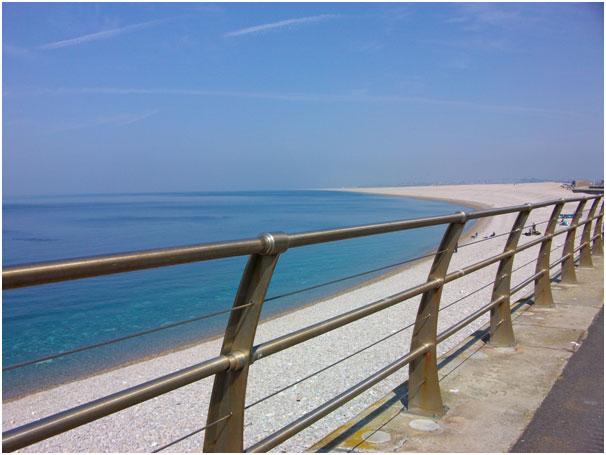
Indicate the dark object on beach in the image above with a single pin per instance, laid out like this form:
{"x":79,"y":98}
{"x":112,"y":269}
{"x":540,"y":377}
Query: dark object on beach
{"x":532,"y":231}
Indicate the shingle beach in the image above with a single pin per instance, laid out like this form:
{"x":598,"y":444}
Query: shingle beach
{"x":148,"y":426}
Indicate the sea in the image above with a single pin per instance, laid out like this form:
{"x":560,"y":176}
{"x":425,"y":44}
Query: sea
{"x":48,"y":319}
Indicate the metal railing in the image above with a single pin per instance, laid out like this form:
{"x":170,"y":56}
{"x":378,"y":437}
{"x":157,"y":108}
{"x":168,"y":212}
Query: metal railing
{"x":225,"y":419}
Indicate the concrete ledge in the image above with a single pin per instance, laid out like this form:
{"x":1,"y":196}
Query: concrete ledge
{"x":490,"y":393}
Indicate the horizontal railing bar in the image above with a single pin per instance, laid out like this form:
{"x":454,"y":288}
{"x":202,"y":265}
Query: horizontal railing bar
{"x":51,"y":272}
{"x":498,"y":211}
{"x":580,"y":246}
{"x":308,"y":419}
{"x":562,"y":259}
{"x":61,"y":422}
{"x":525,"y":246}
{"x":310,"y":238}
{"x":557,"y":247}
{"x":493,"y":259}
{"x":299,"y":336}
{"x":445,"y":307}
{"x":464,"y":322}
{"x":527,"y":281}
{"x":496,"y":236}
{"x":538,"y":223}
{"x":524,"y":265}
{"x":349,"y":277}
{"x":321,"y":370}
{"x":517,"y":208}
{"x":532,"y":243}
{"x":485,"y":239}
{"x":476,"y":266}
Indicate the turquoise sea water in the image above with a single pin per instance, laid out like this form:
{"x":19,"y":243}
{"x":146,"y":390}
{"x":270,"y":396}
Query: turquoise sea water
{"x":42,"y":320}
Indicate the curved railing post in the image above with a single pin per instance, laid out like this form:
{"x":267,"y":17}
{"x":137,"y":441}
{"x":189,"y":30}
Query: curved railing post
{"x":542,"y":284}
{"x":501,"y":330}
{"x":229,"y":389}
{"x":597,"y":248}
{"x":586,"y":237}
{"x":423,"y":384}
{"x":569,"y":275}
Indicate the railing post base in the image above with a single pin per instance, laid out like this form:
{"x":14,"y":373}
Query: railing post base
{"x":569,"y":275}
{"x":501,"y":330}
{"x":543,"y":296}
{"x":586,"y":261}
{"x":426,"y":400}
{"x":597,"y":248}
{"x":424,"y":395}
{"x":569,"y":278}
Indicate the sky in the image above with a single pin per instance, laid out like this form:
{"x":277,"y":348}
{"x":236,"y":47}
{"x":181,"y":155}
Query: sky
{"x":150,"y":97}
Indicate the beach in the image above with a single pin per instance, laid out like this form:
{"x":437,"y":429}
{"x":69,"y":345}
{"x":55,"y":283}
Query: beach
{"x":152,"y":424}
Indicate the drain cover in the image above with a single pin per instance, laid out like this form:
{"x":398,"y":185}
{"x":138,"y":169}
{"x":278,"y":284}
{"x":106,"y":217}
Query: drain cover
{"x":376,"y":437}
{"x":424,"y":425}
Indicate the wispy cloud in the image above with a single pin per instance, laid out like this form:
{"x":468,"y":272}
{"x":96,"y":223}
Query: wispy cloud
{"x":476,"y":16}
{"x":16,"y":51}
{"x":114,"y":120}
{"x":281,"y":24}
{"x":476,"y":43}
{"x":356,"y":96}
{"x":105,"y":34}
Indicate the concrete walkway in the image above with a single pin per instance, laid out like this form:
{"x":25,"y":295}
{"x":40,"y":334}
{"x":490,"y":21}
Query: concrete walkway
{"x":571,"y":419}
{"x":491,"y":394}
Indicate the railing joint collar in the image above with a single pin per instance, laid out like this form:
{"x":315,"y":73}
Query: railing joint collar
{"x":237,"y":360}
{"x":274,"y":242}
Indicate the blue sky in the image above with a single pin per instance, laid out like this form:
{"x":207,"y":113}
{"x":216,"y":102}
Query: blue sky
{"x":179,"y":97}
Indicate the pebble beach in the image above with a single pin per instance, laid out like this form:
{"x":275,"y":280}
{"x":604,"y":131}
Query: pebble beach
{"x":155,"y":423}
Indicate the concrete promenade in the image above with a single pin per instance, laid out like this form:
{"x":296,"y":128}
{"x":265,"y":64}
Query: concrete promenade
{"x":491,"y":394}
{"x":575,"y":405}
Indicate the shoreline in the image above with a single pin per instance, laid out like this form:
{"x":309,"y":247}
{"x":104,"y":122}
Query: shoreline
{"x":478,"y":224}
{"x":170,"y":416}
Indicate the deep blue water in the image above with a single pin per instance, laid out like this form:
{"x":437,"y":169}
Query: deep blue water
{"x":46,"y":319}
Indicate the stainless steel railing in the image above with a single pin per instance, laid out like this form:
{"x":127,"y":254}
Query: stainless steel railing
{"x":225,"y":421}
